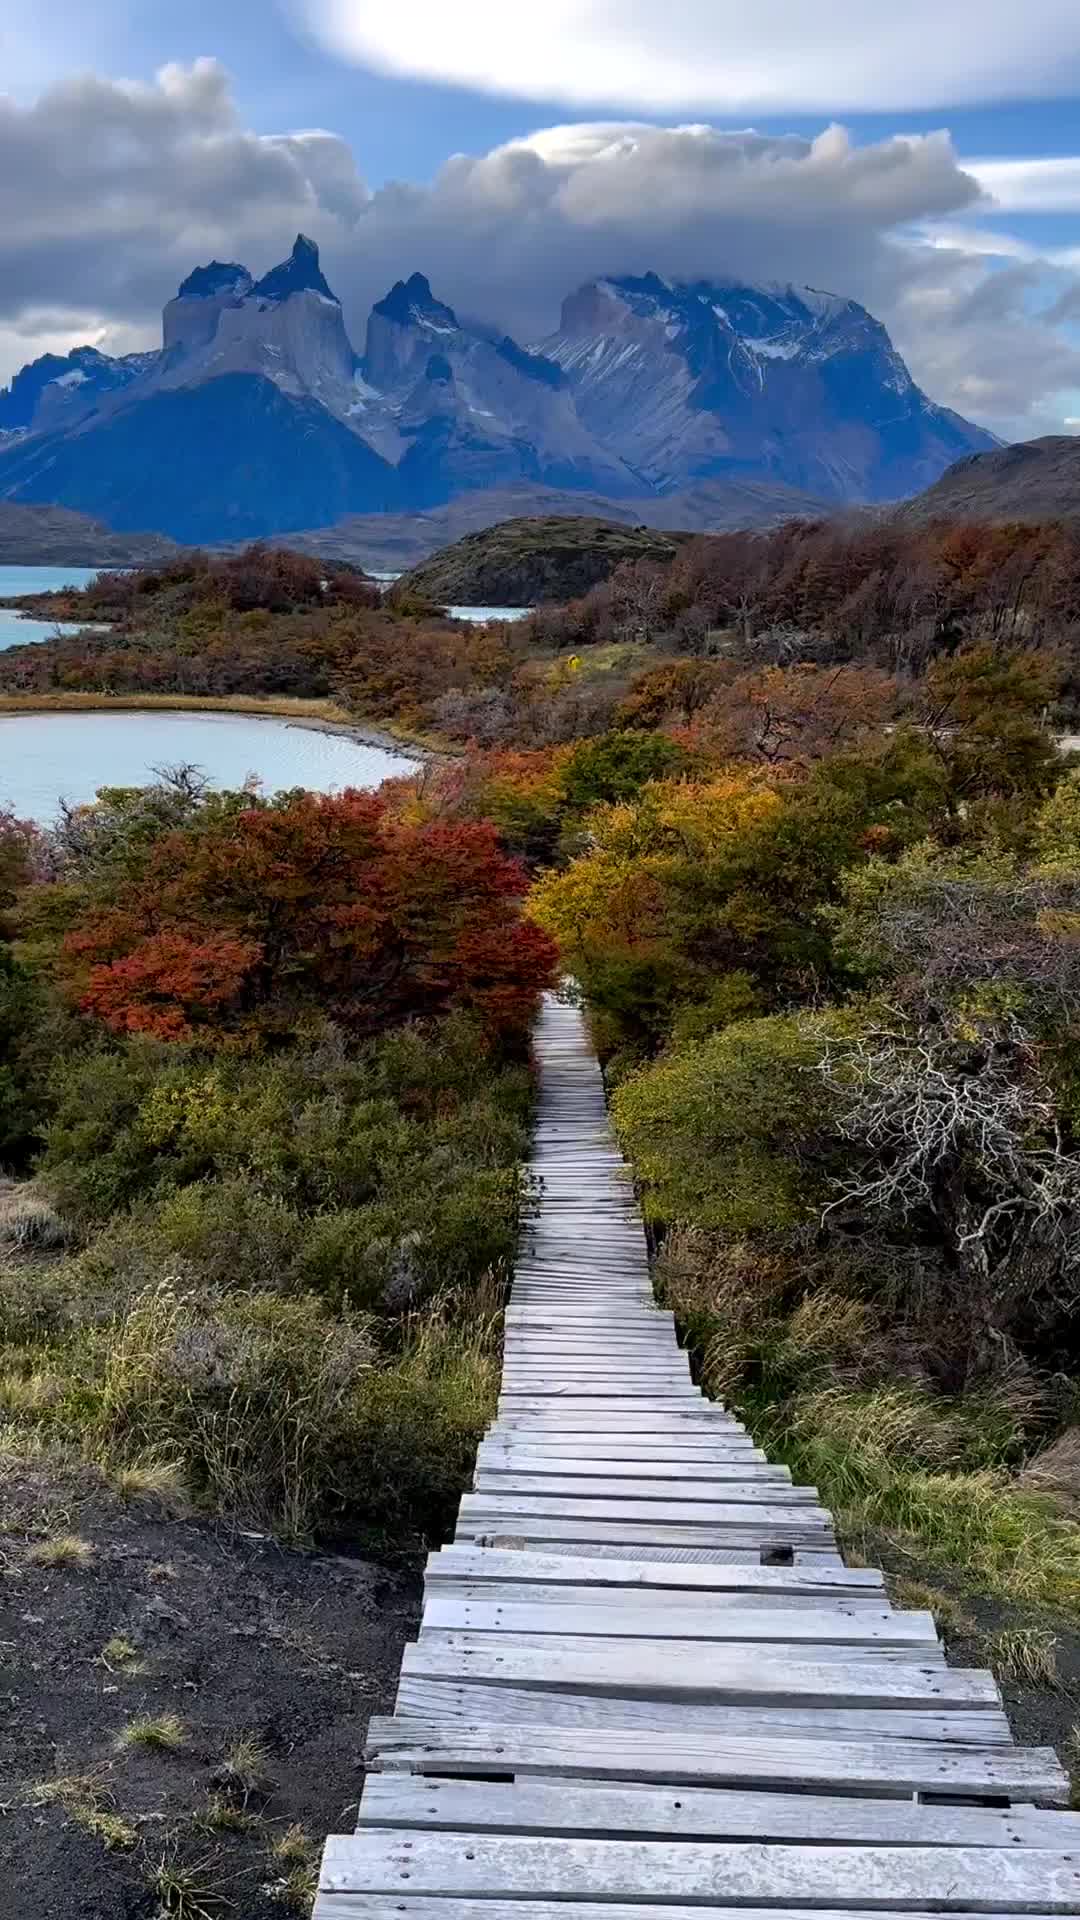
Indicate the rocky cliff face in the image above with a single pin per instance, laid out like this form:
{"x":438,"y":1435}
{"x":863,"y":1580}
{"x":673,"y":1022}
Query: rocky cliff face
{"x":699,"y":381}
{"x":646,"y":388}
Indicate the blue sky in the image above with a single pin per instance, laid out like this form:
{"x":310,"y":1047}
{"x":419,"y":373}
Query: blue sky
{"x":982,"y":294}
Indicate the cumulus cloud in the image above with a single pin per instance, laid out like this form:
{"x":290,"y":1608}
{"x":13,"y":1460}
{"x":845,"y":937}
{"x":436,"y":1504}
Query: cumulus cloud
{"x":719,"y":55}
{"x":109,"y":190}
{"x":110,"y":193}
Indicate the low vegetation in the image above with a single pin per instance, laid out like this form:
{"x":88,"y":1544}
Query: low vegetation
{"x":794,"y":811}
{"x":277,"y":1144}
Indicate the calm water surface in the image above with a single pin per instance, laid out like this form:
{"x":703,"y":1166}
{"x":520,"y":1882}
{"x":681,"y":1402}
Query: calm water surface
{"x":46,"y":757}
{"x":15,"y":631}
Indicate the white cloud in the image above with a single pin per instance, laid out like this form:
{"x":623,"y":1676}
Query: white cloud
{"x":1031,"y":186}
{"x":111,"y":192}
{"x":718,"y":55}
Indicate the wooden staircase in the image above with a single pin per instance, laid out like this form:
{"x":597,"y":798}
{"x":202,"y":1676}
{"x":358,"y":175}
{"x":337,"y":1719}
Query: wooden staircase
{"x":645,"y":1677}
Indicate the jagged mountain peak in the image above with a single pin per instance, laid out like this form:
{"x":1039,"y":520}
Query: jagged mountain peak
{"x":300,"y":273}
{"x":217,"y":278}
{"x":411,"y":303}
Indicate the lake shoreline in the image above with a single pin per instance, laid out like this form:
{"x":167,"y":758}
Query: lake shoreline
{"x":314,"y":715}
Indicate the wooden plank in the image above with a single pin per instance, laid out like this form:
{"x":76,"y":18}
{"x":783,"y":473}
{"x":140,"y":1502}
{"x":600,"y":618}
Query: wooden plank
{"x":682,"y":1754}
{"x":843,"y":1627}
{"x":694,"y":1813}
{"x":584,"y":1708}
{"x":806,"y":1519}
{"x":690,"y":1670}
{"x":703,"y":1873}
{"x":628,"y":1536}
{"x":489,"y":1563}
{"x":343,"y":1905}
{"x":737,"y":1487}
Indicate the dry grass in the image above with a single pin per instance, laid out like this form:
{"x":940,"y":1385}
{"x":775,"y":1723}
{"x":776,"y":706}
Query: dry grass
{"x":316,"y":713}
{"x":161,"y":1481}
{"x":186,"y":1889}
{"x":161,"y":1733}
{"x":223,"y":1816}
{"x":1025,"y":1655}
{"x":245,"y":1767}
{"x":25,"y":1396}
{"x":87,"y":1800}
{"x":28,"y":1220}
{"x":119,"y":1652}
{"x":62,"y":1550}
{"x":951,"y":1620}
{"x":115,"y":1833}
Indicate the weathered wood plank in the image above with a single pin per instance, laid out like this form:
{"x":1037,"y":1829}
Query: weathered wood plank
{"x":701,"y":1873}
{"x":488,"y":1563}
{"x":682,"y":1754}
{"x":674,"y":1670}
{"x":584,"y":1708}
{"x":694,"y":1813}
{"x":662,"y":1619}
{"x":342,"y":1905}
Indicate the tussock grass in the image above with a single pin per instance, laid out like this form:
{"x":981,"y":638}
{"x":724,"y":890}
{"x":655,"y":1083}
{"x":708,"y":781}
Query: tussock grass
{"x":221,"y":1815}
{"x":26,"y":1396}
{"x":186,"y":1890}
{"x":296,"y":1891}
{"x":892,"y":1461}
{"x":1025,"y":1655}
{"x":294,"y":1847}
{"x":115,"y":1833}
{"x":29,"y":1220}
{"x":245,"y":1767}
{"x":117,"y":1652}
{"x":87,"y":1800}
{"x":161,"y":1481}
{"x":62,"y":1550}
{"x":161,"y":1733}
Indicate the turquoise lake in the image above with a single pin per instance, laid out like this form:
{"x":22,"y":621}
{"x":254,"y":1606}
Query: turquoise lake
{"x":15,"y":631}
{"x":49,"y":757}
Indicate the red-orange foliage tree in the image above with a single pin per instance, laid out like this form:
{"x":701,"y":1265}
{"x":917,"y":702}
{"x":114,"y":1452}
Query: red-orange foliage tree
{"x":246,"y":923}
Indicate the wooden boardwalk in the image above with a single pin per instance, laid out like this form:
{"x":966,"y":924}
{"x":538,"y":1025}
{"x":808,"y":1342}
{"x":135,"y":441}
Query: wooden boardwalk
{"x":645,"y":1677}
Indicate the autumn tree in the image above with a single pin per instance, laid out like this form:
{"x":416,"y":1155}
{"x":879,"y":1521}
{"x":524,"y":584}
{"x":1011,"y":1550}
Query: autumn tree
{"x":249,"y":921}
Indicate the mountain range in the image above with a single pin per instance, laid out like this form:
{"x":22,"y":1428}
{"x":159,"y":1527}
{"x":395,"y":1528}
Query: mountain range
{"x":258,"y":417}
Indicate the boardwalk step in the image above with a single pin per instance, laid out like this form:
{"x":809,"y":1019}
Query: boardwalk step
{"x":646,"y":1686}
{"x":889,"y":1878}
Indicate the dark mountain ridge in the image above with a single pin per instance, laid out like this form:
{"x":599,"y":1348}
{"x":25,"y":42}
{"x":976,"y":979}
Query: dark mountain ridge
{"x":258,"y":417}
{"x":1033,"y":480}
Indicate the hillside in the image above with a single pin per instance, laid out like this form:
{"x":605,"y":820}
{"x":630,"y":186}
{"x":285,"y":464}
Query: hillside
{"x":527,"y":562}
{"x":1034,"y":480}
{"x":393,"y":542}
{"x":47,"y":536}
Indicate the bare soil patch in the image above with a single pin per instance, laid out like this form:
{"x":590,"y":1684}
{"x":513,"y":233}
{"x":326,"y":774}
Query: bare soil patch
{"x":180,"y":1707}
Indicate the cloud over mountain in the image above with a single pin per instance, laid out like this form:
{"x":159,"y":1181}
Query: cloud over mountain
{"x":108,"y":190}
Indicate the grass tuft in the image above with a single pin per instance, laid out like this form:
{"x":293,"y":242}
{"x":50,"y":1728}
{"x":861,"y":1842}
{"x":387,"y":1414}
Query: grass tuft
{"x":115,"y":1833}
{"x":63,"y":1550}
{"x":294,"y":1847}
{"x":163,"y":1481}
{"x":245,"y":1768}
{"x":119,"y":1652}
{"x":221,"y":1815}
{"x":28,"y":1221}
{"x":1025,"y":1655}
{"x":184,"y":1889}
{"x":162,"y":1733}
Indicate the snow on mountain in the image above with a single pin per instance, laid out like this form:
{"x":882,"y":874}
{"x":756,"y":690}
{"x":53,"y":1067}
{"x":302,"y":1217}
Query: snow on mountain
{"x":646,"y":387}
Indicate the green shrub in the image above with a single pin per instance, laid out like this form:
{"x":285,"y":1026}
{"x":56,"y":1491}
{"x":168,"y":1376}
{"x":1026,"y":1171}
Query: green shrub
{"x":732,"y":1133}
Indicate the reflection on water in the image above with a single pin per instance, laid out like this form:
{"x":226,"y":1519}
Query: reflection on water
{"x":46,"y":757}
